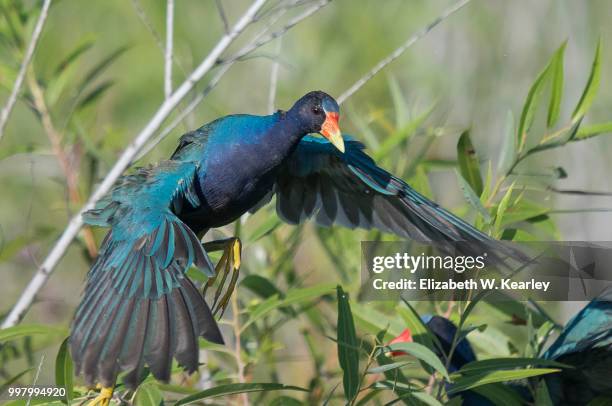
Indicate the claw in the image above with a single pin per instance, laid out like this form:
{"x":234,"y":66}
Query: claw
{"x":103,"y":399}
{"x":228,"y":264}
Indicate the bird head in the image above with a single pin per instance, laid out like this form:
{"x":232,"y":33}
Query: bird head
{"x":319,"y":113}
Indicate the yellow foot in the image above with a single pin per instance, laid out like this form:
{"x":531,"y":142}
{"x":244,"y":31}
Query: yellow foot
{"x":229,"y":264}
{"x":103,"y":399}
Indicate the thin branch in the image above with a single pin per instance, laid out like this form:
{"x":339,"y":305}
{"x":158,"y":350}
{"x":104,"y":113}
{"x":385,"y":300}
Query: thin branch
{"x":169,"y":47}
{"x":222,"y":15}
{"x":399,"y":51}
{"x":225,"y":66}
{"x":75,"y":224}
{"x":274,"y":77}
{"x":142,"y":16}
{"x":72,"y":185}
{"x":6,"y":112}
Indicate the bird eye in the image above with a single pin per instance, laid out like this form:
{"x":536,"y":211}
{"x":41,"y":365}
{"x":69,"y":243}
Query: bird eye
{"x":317,"y":110}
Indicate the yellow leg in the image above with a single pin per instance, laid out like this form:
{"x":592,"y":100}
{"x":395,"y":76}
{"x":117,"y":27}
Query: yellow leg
{"x":104,"y":398}
{"x":228,"y":265}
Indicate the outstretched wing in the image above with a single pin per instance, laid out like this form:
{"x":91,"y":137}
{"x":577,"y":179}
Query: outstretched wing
{"x":139,"y":307}
{"x":351,"y":190}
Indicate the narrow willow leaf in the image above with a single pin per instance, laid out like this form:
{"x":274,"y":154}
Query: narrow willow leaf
{"x":590,"y":90}
{"x":468,"y":162}
{"x":409,"y":394}
{"x":348,"y":355}
{"x":420,"y":332}
{"x":399,"y":102}
{"x":236,"y":388}
{"x":148,"y":394}
{"x":593,"y":130}
{"x":271,"y":224}
{"x":474,"y":380}
{"x":508,"y":151}
{"x":556,"y":94}
{"x":4,"y":387}
{"x":472,"y":199}
{"x":494,"y":364}
{"x":401,"y":135}
{"x":530,"y":106}
{"x":293,"y":296}
{"x":502,"y":207}
{"x":542,"y":397}
{"x":24,"y":330}
{"x":387,"y":367}
{"x":500,"y":394}
{"x":260,"y":286}
{"x":64,"y":371}
{"x":420,"y":352}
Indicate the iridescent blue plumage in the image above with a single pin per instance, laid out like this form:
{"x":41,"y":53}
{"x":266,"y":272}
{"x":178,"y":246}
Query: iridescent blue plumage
{"x":139,"y":307}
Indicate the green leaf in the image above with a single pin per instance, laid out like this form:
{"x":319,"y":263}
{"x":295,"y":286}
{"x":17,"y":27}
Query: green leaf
{"x":348,"y":355}
{"x":13,"y":379}
{"x":500,"y":394}
{"x":471,"y":197}
{"x":556,"y":67}
{"x":260,"y":286}
{"x":590,"y":90}
{"x":399,"y":103}
{"x":470,"y":381}
{"x":236,"y":388}
{"x":502,"y":207}
{"x":95,"y":94}
{"x":505,"y":363}
{"x":83,"y":46}
{"x":530,"y":106}
{"x":402,"y":134}
{"x":387,"y":367}
{"x":411,"y":396}
{"x":468,"y":162}
{"x":25,"y":330}
{"x":64,"y":371}
{"x":285,"y":401}
{"x":542,"y":397}
{"x":523,"y":211}
{"x":592,"y":131}
{"x":420,"y":352}
{"x":420,"y":332}
{"x":271,"y":224}
{"x":508,"y":151}
{"x":293,"y":296}
{"x":148,"y":394}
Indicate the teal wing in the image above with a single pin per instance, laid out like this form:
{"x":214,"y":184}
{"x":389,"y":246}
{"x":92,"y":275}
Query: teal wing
{"x":138,"y":307}
{"x":349,"y":189}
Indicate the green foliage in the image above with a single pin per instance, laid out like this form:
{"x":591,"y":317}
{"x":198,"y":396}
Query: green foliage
{"x":99,"y":92}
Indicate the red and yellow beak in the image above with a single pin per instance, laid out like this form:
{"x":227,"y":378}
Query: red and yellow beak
{"x":331,"y":131}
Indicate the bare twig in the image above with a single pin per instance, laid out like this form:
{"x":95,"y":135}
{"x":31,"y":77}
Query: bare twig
{"x":6,"y":112}
{"x":69,"y":171}
{"x":222,"y":15}
{"x":75,"y":224}
{"x":142,"y":15}
{"x":169,"y":47}
{"x":274,"y":77}
{"x":399,"y":51}
{"x":226,"y":65}
{"x":40,"y":364}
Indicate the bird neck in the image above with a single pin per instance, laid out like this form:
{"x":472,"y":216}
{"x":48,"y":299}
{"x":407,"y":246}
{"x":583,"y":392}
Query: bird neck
{"x":288,"y":130}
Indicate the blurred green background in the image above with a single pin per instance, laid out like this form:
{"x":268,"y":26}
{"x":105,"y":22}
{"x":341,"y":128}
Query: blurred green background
{"x":470,"y":71}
